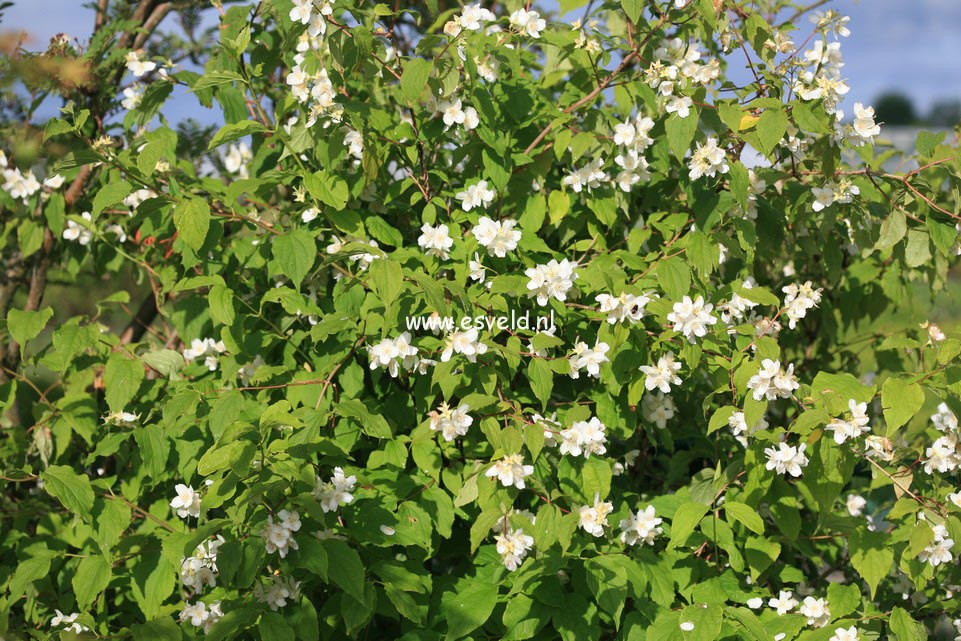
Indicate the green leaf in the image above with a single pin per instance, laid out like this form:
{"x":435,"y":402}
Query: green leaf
{"x":387,"y":281}
{"x":122,"y":378}
{"x":468,"y":609}
{"x":871,"y":556}
{"x":73,"y":489}
{"x":918,"y":250}
{"x":414,"y":79}
{"x":295,"y":253}
{"x":900,"y":400}
{"x":596,"y":475}
{"x":745,"y":515}
{"x":680,"y":133}
{"x":893,"y":230}
{"x":770,"y":129}
{"x":685,"y":520}
{"x":164,"y":361}
{"x":674,"y":277}
{"x":93,"y":575}
{"x":154,"y":448}
{"x":161,"y":629}
{"x":192,"y":220}
{"x":110,"y":194}
{"x":345,"y":568}
{"x":541,"y":377}
{"x":25,"y":326}
{"x":760,"y":554}
{"x":632,"y":9}
{"x":235,"y":131}
{"x":274,"y":627}
{"x":327,"y":188}
{"x":905,"y":628}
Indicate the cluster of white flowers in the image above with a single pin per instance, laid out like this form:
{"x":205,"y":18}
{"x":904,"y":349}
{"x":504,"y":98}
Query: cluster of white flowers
{"x":187,"y":501}
{"x":200,"y":616}
{"x":476,"y":195}
{"x":200,"y":570}
{"x":453,"y":112}
{"x":851,"y":428}
{"x":634,"y":137}
{"x":237,"y":158}
{"x":772,"y":381}
{"x":798,"y":299}
{"x":132,"y":96}
{"x":279,"y":536}
{"x":786,"y":459}
{"x":584,"y":437}
{"x":676,"y":69}
{"x":587,"y":358}
{"x":334,"y":492}
{"x":739,"y":427}
{"x":692,"y":318}
{"x":121,"y":418}
{"x":735,"y":310}
{"x":939,"y":550}
{"x":466,"y":342}
{"x":19,"y":185}
{"x":589,"y":176}
{"x":68,"y":622}
{"x":944,"y":455}
{"x":662,"y":375}
{"x":75,"y":232}
{"x":707,"y":160}
{"x":816,"y":611}
{"x":641,"y":527}
{"x":451,"y":422}
{"x":513,"y":546}
{"x":552,"y":280}
{"x":510,"y":471}
{"x":860,"y":131}
{"x":624,"y":308}
{"x":498,"y":237}
{"x":277,"y":592}
{"x":629,"y":458}
{"x":593,"y":518}
{"x":528,"y":22}
{"x":820,"y":77}
{"x":658,"y":409}
{"x":845,"y":634}
{"x":842,"y":192}
{"x":137,"y":65}
{"x":392,"y":354}
{"x":472,"y":18}
{"x":435,"y":241}
{"x":206,"y":348}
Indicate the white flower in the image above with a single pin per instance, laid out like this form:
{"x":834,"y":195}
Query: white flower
{"x":477,"y":270}
{"x":798,"y":299}
{"x":816,"y":611}
{"x":473,"y":16}
{"x":641,"y":527}
{"x":786,"y":459}
{"x":335,"y":492}
{"x":784,"y":603}
{"x":944,"y":419}
{"x":855,"y":504}
{"x":235,"y":162}
{"x":624,"y":134}
{"x":278,"y":537}
{"x":593,"y":518}
{"x":138,"y":67}
{"x":200,"y":570}
{"x":498,"y":237}
{"x":708,"y":160}
{"x":132,"y":97}
{"x":939,"y":551}
{"x":277,"y":592}
{"x":589,"y":177}
{"x":77,"y":232}
{"x":686,"y":626}
{"x":842,"y":634}
{"x":692,"y":318}
{"x":354,"y":143}
{"x":301,"y":11}
{"x":20,"y":185}
{"x":392,"y":354}
{"x":587,"y":358}
{"x":658,"y":409}
{"x":755,"y":603}
{"x":681,"y":105}
{"x":308,"y":215}
{"x":513,"y":547}
{"x":68,"y":621}
{"x":529,"y":22}
{"x":772,"y":382}
{"x":662,"y":375}
{"x":477,"y":195}
{"x":187,"y":501}
{"x":54,"y":182}
{"x":856,"y":426}
{"x":200,"y":617}
{"x":510,"y":471}
{"x":207,"y":348}
{"x":436,"y":241}
{"x":943,"y":455}
{"x":626,"y":307}
{"x":584,"y":437}
{"x":552,"y":280}
{"x":739,"y":428}
{"x":864,"y":126}
{"x":463,"y":342}
{"x":450,"y":422}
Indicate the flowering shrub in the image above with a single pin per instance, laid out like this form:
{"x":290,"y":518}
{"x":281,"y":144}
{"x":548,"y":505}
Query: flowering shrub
{"x":734,"y":427}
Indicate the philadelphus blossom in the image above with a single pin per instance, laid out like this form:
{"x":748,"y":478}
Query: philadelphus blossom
{"x":739,"y":428}
{"x":200,"y":570}
{"x":708,"y":160}
{"x":68,"y":622}
{"x":735,"y":310}
{"x":451,"y":422}
{"x":593,"y":518}
{"x":528,"y":22}
{"x":784,"y":603}
{"x":855,"y":504}
{"x":477,"y":195}
{"x":335,"y":492}
{"x":277,"y":592}
{"x":786,"y":459}
{"x":279,"y":537}
{"x":798,"y":299}
{"x":589,"y":177}
{"x":626,"y":307}
{"x":363,"y":259}
{"x":392,"y":354}
{"x":841,"y":192}
{"x":138,"y":67}
{"x":200,"y":616}
{"x":939,"y":551}
{"x":584,"y":437}
{"x":354,"y":143}
{"x":77,"y":232}
{"x":944,"y":419}
{"x":772,"y":381}
{"x":510,"y":471}
{"x":816,"y":611}
{"x":658,"y":409}
{"x":206,"y":348}
{"x":552,"y":280}
{"x":851,"y":428}
{"x":662,"y":375}
{"x":453,"y":113}
{"x":845,"y":634}
{"x":499,"y":237}
{"x":641,"y":527}
{"x":634,"y":169}
{"x":235,"y":162}
{"x":692,"y":318}
{"x":436,"y":241}
{"x":463,"y":342}
{"x":587,"y":358}
{"x":513,"y":547}
{"x":20,"y":185}
{"x":187,"y":501}
{"x":132,"y":96}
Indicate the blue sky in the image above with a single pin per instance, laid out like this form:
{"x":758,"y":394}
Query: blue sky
{"x":910,"y":45}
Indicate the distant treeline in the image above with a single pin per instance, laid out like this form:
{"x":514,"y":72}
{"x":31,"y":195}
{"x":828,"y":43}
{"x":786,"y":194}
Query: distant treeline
{"x":895,"y":108}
